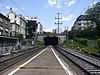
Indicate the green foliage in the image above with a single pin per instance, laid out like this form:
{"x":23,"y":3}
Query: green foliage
{"x":19,"y":36}
{"x":94,"y":12}
{"x":86,"y":33}
{"x":90,"y":31}
{"x":98,"y":43}
{"x":31,"y":27}
{"x":71,"y":34}
{"x":91,"y":49}
{"x":81,"y":41}
{"x":38,"y":43}
{"x":94,"y":15}
{"x":71,"y":44}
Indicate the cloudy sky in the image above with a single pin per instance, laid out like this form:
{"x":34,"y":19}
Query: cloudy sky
{"x":46,"y":10}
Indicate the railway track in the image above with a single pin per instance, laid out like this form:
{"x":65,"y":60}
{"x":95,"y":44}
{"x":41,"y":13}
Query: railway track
{"x":93,"y":55}
{"x":13,"y":59}
{"x":89,"y":65}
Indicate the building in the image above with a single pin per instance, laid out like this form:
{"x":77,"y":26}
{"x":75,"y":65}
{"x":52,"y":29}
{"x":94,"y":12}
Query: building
{"x":40,"y":28}
{"x":56,"y":31}
{"x":18,"y":23}
{"x":82,"y":22}
{"x":4,"y":25}
{"x":7,"y":43}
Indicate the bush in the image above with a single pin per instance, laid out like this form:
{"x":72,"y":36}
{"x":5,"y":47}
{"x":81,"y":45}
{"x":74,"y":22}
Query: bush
{"x":98,"y":43}
{"x":38,"y":42}
{"x":72,"y":44}
{"x":82,"y":44}
{"x":91,"y":49}
{"x":81,"y":41}
{"x":19,"y":36}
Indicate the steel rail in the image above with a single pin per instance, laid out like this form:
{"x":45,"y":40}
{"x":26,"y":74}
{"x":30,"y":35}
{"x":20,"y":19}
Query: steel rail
{"x":87,"y":66}
{"x":11,"y":61}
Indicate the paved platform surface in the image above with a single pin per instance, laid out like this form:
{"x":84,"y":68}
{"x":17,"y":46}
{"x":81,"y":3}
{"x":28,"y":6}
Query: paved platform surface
{"x":44,"y":64}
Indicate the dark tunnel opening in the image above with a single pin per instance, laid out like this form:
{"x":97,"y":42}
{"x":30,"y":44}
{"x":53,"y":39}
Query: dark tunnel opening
{"x":50,"y":40}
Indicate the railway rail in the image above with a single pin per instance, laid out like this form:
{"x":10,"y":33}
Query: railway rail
{"x":90,"y":54}
{"x":16,"y":57}
{"x":89,"y":65}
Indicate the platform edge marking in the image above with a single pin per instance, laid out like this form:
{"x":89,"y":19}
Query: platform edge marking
{"x":61,"y":63}
{"x":14,"y":71}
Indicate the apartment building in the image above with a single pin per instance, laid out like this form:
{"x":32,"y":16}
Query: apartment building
{"x":18,"y":23}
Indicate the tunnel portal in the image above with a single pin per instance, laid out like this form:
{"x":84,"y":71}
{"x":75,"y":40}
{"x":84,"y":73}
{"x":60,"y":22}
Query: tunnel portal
{"x":50,"y":40}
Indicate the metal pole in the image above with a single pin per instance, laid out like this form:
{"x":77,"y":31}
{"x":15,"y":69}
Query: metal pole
{"x":67,"y":33}
{"x":58,"y":22}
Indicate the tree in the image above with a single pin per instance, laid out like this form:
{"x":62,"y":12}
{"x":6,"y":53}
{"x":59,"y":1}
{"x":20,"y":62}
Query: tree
{"x":72,"y":34}
{"x":31,"y":28}
{"x":94,"y":15}
{"x":19,"y":36}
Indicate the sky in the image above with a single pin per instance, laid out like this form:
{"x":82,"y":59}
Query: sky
{"x":46,"y":10}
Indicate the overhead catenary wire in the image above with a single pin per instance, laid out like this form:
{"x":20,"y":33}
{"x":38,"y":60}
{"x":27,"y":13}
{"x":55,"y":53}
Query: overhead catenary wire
{"x":4,"y":6}
{"x":19,"y":7}
{"x":73,"y":8}
{"x":87,"y":7}
{"x":83,"y":10}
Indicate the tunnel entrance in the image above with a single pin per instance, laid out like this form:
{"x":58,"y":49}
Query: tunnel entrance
{"x":50,"y":40}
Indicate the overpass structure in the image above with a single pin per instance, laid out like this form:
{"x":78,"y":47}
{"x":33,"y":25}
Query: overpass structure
{"x":61,"y":37}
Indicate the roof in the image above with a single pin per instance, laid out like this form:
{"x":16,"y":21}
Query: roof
{"x":18,"y":15}
{"x":83,"y":17}
{"x":22,"y":18}
{"x":15,"y":24}
{"x":2,"y":16}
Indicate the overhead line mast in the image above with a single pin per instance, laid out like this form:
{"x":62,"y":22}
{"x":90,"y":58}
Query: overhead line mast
{"x":58,"y":21}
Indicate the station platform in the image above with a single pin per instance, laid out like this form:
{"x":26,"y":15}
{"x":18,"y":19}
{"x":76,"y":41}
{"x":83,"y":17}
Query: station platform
{"x":44,"y":63}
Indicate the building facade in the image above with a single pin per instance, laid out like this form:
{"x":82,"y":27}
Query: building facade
{"x":82,"y":22}
{"x":4,"y":26}
{"x":40,"y":28}
{"x":7,"y":43}
{"x":18,"y":23}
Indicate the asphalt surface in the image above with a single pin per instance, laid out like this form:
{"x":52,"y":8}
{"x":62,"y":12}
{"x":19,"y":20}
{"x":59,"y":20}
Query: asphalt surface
{"x":44,"y":63}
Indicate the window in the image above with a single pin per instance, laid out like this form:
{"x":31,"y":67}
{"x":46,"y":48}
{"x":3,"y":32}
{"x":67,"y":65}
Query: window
{"x":15,"y":16}
{"x":1,"y":20}
{"x":6,"y":21}
{"x":8,"y":16}
{"x":14,"y":21}
{"x":79,"y":23}
{"x":11,"y":27}
{"x":0,"y":32}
